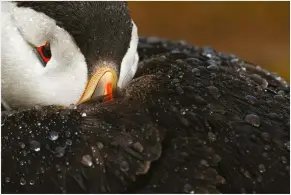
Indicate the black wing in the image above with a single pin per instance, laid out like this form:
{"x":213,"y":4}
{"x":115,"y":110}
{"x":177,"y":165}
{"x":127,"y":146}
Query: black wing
{"x":239,"y":111}
{"x":193,"y":120}
{"x":51,"y":150}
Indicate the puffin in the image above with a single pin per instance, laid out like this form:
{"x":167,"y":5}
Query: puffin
{"x":187,"y":119}
{"x":55,"y":50}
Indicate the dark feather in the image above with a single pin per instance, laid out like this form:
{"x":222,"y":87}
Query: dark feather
{"x":192,"y":120}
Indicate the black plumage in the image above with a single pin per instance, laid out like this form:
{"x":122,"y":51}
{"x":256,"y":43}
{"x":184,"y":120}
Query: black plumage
{"x":193,"y":120}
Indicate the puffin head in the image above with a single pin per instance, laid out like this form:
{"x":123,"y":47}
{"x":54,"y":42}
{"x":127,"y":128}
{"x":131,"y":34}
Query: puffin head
{"x":62,"y":53}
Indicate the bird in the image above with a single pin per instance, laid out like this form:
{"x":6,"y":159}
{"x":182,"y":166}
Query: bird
{"x":191,"y":120}
{"x":57,"y":52}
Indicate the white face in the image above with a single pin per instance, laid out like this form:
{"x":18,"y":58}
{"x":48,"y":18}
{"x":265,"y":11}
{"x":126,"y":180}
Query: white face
{"x":25,"y":81}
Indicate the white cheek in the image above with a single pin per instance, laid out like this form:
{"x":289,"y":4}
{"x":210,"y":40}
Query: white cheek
{"x":35,"y":27}
{"x":24,"y":80}
{"x":130,"y":61}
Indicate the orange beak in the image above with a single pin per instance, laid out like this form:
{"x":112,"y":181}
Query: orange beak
{"x":103,"y":82}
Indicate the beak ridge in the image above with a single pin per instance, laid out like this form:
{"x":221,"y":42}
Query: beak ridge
{"x":102,"y":82}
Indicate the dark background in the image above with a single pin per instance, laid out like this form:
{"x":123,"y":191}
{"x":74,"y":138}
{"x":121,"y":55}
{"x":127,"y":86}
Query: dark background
{"x":255,"y":31}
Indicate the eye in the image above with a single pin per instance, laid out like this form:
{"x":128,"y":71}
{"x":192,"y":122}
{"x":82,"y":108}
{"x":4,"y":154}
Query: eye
{"x":44,"y":53}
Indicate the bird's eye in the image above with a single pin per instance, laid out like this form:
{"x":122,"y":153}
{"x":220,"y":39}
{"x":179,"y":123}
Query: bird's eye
{"x":44,"y":53}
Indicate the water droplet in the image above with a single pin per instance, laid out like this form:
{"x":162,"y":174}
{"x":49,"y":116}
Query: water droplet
{"x":73,"y":106}
{"x":281,"y":92}
{"x":284,"y":159}
{"x":183,"y":112}
{"x":185,"y":154}
{"x":7,"y":179}
{"x":257,"y":78}
{"x":37,"y":107}
{"x":35,"y":145}
{"x":267,"y":147}
{"x":287,"y":145}
{"x":213,"y":75}
{"x":198,"y":99}
{"x":60,"y":151}
{"x":22,"y":145}
{"x":243,"y":191}
{"x":213,"y":67}
{"x":262,"y":168}
{"x":279,"y":98}
{"x":274,"y":115}
{"x":253,"y":137}
{"x":22,"y":181}
{"x":202,"y":68}
{"x":87,"y":160}
{"x":265,"y":136}
{"x":153,"y":40}
{"x":193,"y":61}
{"x":53,"y":135}
{"x":188,"y":188}
{"x":100,"y":145}
{"x":175,"y":80}
{"x":98,"y":161}
{"x":204,"y":162}
{"x":124,"y":166}
{"x":253,"y":120}
{"x":216,"y":158}
{"x":276,"y":76}
{"x":67,"y":133}
{"x":68,"y":142}
{"x":208,"y":52}
{"x":58,"y":167}
{"x":32,"y":182}
{"x":179,"y":90}
{"x":265,"y":155}
{"x":138,"y":147}
{"x":184,"y":121}
{"x":211,"y":136}
{"x":214,"y":91}
{"x":60,"y":176}
{"x":260,"y":178}
{"x":247,"y":174}
{"x":41,"y":169}
{"x":264,"y":83}
{"x":196,"y":71}
{"x":84,"y":114}
{"x":259,"y":68}
{"x":251,"y":99}
{"x":234,"y":59}
{"x":21,"y":163}
{"x":220,"y":179}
